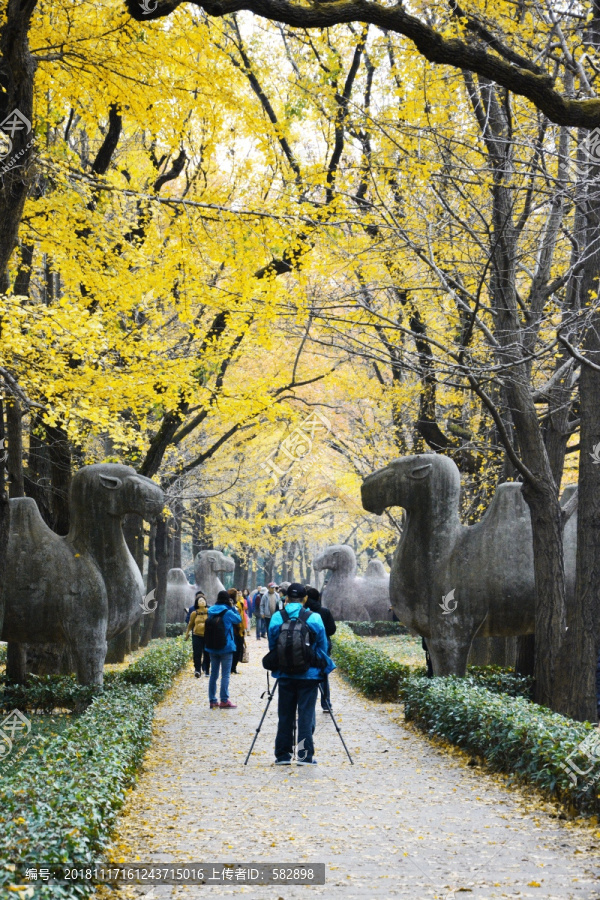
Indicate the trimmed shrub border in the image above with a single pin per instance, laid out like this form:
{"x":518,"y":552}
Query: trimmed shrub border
{"x":377,"y":629}
{"x":59,"y":807}
{"x":486,"y":713}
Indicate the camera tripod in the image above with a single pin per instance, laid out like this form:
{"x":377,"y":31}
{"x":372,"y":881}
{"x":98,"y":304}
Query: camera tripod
{"x":271,"y":694}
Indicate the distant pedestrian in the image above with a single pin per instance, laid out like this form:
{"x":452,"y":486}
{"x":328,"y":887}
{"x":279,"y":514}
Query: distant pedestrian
{"x":313,"y":603}
{"x":256,"y":605}
{"x":239,"y":631}
{"x":298,"y":654}
{"x":271,"y":602}
{"x":220,"y":643}
{"x":196,"y":626}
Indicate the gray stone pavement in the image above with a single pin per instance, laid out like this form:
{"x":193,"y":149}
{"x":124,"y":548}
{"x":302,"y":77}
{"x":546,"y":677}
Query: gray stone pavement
{"x":409,"y":820}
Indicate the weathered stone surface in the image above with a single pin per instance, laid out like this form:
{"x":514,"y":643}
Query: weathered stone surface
{"x":450,"y":582}
{"x":80,"y":589}
{"x":350,"y":597}
{"x":207,"y":565}
{"x":180,"y":595}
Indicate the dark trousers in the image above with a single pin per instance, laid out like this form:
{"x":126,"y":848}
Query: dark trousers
{"x":201,"y":657}
{"x":296,"y":694}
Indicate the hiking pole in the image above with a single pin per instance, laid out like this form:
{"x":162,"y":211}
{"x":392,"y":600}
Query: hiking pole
{"x":337,"y":727}
{"x":271,"y":695}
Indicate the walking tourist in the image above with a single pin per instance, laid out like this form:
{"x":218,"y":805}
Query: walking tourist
{"x":196,"y":626}
{"x":219,"y":640}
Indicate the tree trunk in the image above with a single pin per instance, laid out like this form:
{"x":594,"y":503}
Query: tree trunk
{"x":582,"y":644}
{"x":177,"y":509}
{"x":162,"y":567}
{"x":148,"y":619}
{"x":17,"y":71}
{"x":59,"y":451}
{"x":201,"y":536}
{"x":4,"y":516}
{"x":525,"y":655}
{"x":550,"y":620}
{"x":118,"y":647}
{"x":14,"y":434}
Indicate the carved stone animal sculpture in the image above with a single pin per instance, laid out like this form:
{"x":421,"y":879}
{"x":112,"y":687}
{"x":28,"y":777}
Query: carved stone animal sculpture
{"x":379,"y":580}
{"x":450,"y":582}
{"x":80,"y":589}
{"x":207,"y":565}
{"x":349,"y":597}
{"x":180,"y":595}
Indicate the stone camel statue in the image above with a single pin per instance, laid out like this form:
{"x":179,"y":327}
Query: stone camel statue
{"x":207,"y":565}
{"x":349,"y":597}
{"x":449,"y":581}
{"x":80,"y":589}
{"x":180,"y":595}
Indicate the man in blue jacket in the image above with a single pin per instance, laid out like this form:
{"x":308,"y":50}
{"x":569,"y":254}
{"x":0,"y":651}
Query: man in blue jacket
{"x":298,"y":691}
{"x":219,"y":643}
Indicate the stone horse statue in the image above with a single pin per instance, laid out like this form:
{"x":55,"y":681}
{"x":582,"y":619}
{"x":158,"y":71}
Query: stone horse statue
{"x":349,"y":597}
{"x":207,"y":565}
{"x":80,"y":589}
{"x":450,"y":582}
{"x":180,"y":595}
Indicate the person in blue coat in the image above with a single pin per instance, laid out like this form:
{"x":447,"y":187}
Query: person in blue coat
{"x":298,"y":693}
{"x":221,"y":657}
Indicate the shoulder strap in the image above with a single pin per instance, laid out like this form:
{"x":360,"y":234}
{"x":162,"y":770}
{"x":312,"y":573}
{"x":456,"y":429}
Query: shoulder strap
{"x":305,"y":614}
{"x":284,"y":614}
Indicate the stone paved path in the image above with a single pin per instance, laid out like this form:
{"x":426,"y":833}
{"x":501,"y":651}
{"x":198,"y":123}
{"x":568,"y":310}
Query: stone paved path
{"x":408,"y":820}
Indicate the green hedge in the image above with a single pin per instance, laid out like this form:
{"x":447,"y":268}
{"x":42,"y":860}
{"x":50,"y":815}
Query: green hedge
{"x":377,"y":629}
{"x":44,"y":693}
{"x":369,"y":669}
{"x":486,"y":713}
{"x":60,"y":804}
{"x":511,"y":734}
{"x":174,"y":629}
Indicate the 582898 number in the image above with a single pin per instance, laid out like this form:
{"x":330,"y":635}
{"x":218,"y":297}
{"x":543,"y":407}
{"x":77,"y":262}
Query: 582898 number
{"x":293,"y":874}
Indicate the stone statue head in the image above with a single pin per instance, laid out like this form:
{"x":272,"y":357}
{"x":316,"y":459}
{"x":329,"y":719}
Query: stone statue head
{"x":108,"y":489}
{"x":338,"y":558}
{"x":412,"y":482}
{"x":216,"y":560}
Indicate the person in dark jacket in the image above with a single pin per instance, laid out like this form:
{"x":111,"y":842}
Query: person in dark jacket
{"x":221,"y":658}
{"x":313,"y":603}
{"x":298,"y":693}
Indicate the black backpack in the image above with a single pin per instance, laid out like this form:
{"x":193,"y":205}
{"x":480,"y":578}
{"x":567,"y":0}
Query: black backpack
{"x":294,"y":648}
{"x":215,"y":635}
